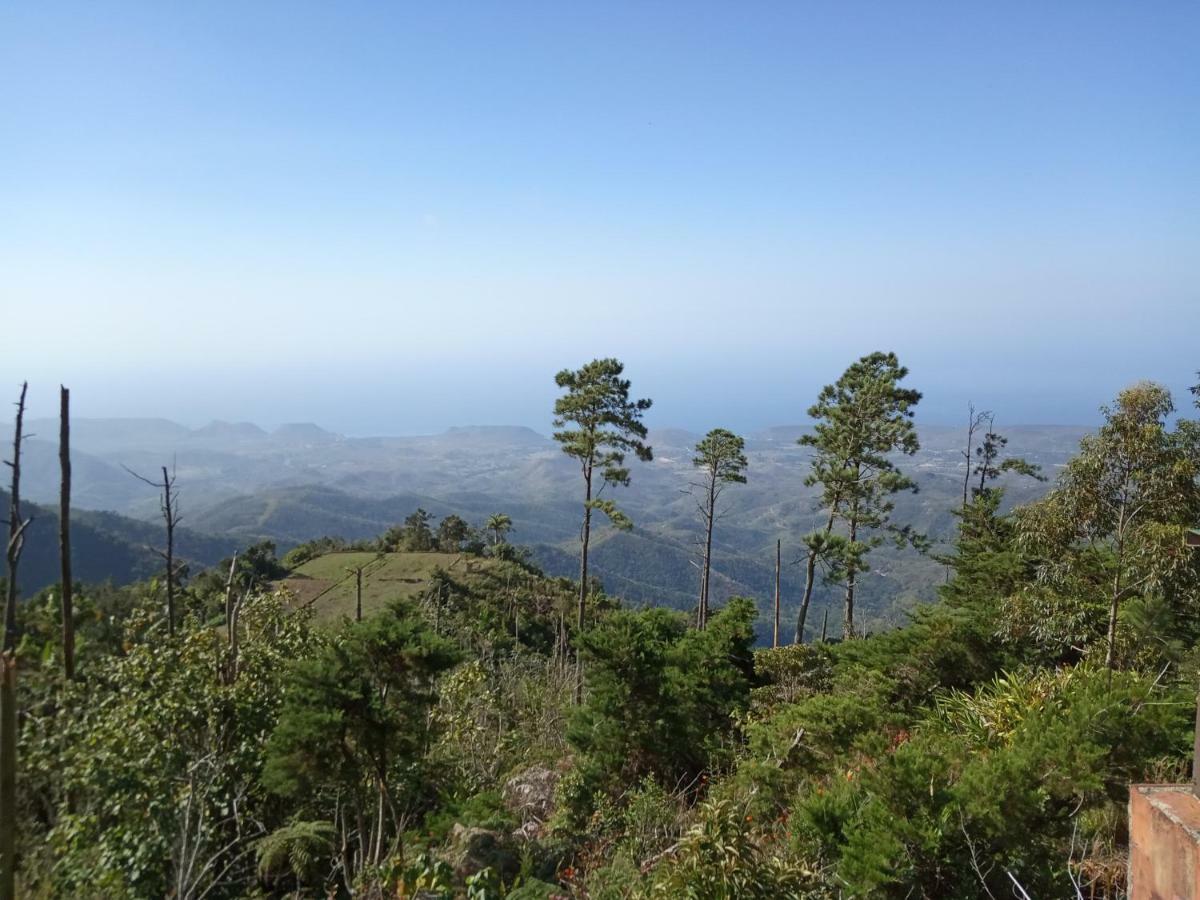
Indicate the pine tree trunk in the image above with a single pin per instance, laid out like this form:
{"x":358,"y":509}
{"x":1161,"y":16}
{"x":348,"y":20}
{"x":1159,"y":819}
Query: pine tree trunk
{"x":851,"y":577}
{"x":64,"y":533}
{"x":586,"y":536}
{"x":810,"y":573}
{"x":702,"y":616}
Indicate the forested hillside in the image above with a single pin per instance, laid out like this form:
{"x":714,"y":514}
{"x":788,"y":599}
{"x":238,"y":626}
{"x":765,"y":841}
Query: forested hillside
{"x":300,"y":482}
{"x":107,"y":547}
{"x":425,"y":712}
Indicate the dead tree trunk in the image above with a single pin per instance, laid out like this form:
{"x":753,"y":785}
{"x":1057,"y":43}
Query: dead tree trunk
{"x":168,"y":503}
{"x":229,"y":598}
{"x":169,"y":516}
{"x":64,"y":532}
{"x":825,"y":625}
{"x":775,"y":632}
{"x":8,"y":670}
{"x":974,"y":420}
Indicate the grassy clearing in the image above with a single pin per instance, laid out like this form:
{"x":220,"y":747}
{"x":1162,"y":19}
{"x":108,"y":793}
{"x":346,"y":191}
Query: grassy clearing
{"x":327,"y":582}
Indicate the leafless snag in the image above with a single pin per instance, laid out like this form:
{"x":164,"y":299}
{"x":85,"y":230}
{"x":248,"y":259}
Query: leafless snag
{"x":775,"y":631}
{"x":974,"y":422}
{"x":235,"y":614}
{"x":8,"y":667}
{"x":169,"y":504}
{"x":229,"y":598}
{"x":16,"y":529}
{"x":64,"y":532}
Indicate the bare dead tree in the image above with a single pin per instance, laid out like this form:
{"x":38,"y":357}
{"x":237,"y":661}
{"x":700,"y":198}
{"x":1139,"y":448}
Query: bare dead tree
{"x":16,"y":528}
{"x":235,"y":615}
{"x":229,"y":598}
{"x":775,"y":632}
{"x":169,"y":505}
{"x":8,"y":668}
{"x":64,"y":532}
{"x":974,"y":422}
{"x":825,"y":625}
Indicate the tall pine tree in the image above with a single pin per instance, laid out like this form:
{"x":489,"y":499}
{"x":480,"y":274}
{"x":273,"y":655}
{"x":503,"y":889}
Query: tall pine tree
{"x":861,"y":420}
{"x":721,"y":459}
{"x":597,"y":426}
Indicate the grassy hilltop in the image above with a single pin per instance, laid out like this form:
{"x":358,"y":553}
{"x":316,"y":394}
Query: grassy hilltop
{"x":327,"y":583}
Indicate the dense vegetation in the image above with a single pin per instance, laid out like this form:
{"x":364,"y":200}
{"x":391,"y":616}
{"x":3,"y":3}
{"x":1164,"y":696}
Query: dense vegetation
{"x":438,"y":748}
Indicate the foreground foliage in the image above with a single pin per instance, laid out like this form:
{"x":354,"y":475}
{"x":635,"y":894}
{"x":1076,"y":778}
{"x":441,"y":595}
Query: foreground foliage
{"x":435,"y":749}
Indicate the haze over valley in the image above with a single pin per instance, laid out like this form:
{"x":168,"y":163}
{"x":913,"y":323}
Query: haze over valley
{"x":241,"y":483}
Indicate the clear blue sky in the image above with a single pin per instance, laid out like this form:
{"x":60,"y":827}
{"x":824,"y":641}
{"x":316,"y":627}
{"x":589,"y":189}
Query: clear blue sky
{"x":396,"y":217}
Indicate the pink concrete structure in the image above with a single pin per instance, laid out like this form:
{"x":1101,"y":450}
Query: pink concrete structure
{"x":1164,"y":842}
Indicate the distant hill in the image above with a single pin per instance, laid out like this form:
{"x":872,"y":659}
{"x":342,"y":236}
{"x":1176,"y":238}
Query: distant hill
{"x":300,"y":482}
{"x":105,"y":547}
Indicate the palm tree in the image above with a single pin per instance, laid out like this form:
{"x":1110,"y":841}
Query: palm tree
{"x":499,"y":525}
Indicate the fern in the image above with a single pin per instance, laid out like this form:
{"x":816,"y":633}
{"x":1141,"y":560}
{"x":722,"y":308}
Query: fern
{"x":295,"y":848}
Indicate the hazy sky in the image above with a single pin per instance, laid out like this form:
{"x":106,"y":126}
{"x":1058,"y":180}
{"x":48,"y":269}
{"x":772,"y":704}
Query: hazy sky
{"x":395,"y":217}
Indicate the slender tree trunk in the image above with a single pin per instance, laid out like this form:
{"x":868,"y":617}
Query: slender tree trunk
{"x":586,"y":536}
{"x":970,"y":439}
{"x":775,"y":631}
{"x":377,"y":852}
{"x":363,"y":837}
{"x":358,"y":594}
{"x":169,"y":514}
{"x":8,"y":671}
{"x":229,"y":599}
{"x":707,"y":566}
{"x":810,"y":574}
{"x":16,"y":529}
{"x":1110,"y":655}
{"x":825,"y":625}
{"x":8,"y":775}
{"x":64,"y":533}
{"x":851,"y":580}
{"x":233,"y":638}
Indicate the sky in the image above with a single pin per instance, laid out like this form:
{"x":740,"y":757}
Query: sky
{"x":392,"y":218}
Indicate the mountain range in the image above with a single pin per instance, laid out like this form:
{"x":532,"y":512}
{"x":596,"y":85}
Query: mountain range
{"x":240,"y":483}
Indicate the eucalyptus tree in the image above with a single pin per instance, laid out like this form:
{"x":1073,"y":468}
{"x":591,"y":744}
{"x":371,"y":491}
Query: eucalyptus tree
{"x":721,"y":460}
{"x":1119,"y":512}
{"x":598,"y":424}
{"x":861,"y":420}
